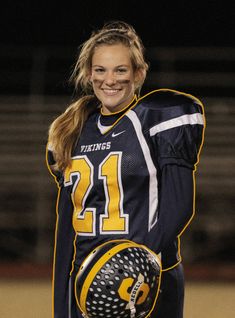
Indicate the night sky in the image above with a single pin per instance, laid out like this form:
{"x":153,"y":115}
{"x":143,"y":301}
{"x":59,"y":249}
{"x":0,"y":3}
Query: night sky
{"x":180,"y":23}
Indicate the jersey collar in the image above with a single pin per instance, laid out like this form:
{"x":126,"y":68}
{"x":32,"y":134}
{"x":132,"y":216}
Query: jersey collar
{"x":105,"y":122}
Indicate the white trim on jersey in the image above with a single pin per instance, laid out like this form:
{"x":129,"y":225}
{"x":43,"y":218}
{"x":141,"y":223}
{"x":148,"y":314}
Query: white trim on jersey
{"x":103,"y":129}
{"x":193,"y":119}
{"x":153,"y":183}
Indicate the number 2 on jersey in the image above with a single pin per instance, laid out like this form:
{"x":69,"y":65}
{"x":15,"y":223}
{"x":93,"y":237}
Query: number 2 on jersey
{"x":112,"y":220}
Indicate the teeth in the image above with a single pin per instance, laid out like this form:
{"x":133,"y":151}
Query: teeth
{"x":110,"y":91}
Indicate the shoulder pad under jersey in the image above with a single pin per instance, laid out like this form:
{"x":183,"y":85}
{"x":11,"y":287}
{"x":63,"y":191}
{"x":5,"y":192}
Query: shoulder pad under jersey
{"x":164,"y":98}
{"x":176,"y":125}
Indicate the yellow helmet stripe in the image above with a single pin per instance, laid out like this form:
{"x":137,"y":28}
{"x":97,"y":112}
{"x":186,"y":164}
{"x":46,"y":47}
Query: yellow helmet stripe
{"x":96,"y":268}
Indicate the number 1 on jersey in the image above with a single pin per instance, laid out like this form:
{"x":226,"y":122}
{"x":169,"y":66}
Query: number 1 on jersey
{"x":113,"y":220}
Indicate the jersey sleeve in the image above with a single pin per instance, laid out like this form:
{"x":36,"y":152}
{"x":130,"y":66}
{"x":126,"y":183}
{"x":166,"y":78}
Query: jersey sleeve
{"x":176,"y":208}
{"x":176,"y":132}
{"x":178,"y":135}
{"x":63,"y":255}
{"x":50,"y":161}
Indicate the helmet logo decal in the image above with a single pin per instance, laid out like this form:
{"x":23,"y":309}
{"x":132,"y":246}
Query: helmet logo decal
{"x":131,"y":297}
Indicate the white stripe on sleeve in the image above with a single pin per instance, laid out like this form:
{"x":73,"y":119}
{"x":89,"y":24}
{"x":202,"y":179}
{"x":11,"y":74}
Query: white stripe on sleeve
{"x":193,"y":119}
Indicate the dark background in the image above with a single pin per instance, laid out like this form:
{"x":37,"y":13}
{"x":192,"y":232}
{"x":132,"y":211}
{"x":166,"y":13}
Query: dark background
{"x":163,"y":23}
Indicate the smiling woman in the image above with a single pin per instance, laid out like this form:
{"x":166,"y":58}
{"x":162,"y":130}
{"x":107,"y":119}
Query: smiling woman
{"x":113,"y":77}
{"x":124,"y":166}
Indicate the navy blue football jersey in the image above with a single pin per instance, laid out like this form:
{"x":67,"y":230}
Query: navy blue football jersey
{"x":131,"y":177}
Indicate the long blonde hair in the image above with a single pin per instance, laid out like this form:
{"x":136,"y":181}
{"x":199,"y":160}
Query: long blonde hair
{"x":66,"y":129}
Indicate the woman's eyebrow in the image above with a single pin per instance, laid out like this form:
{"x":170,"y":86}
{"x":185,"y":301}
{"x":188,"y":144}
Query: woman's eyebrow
{"x":121,"y":65}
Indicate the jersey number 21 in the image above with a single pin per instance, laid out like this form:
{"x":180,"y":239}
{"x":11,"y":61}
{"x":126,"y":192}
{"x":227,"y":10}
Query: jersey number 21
{"x":113,"y":219}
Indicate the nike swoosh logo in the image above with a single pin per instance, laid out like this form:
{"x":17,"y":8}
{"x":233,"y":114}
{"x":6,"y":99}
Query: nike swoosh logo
{"x":117,"y":134}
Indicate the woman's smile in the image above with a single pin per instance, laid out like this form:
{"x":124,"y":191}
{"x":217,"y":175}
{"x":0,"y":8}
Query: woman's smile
{"x":113,"y":77}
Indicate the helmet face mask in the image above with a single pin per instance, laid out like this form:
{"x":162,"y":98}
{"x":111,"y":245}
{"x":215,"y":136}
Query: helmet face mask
{"x":118,"y":279}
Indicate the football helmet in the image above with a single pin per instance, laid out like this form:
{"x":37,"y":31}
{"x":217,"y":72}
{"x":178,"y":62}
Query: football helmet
{"x":118,"y":279}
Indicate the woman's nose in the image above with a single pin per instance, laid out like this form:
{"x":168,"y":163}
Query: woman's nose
{"x":110,"y":79}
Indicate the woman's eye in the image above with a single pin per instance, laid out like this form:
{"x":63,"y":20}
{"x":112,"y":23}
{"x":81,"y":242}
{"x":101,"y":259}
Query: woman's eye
{"x":99,"y":70}
{"x":122,"y":70}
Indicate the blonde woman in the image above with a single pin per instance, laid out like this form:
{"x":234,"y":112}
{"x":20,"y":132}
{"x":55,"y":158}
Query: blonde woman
{"x":124,"y":166}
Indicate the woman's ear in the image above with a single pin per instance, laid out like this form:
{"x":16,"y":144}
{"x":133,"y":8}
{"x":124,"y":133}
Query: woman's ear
{"x":139,"y":77}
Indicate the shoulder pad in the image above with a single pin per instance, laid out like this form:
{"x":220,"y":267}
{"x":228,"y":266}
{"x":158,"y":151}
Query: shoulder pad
{"x":160,"y":98}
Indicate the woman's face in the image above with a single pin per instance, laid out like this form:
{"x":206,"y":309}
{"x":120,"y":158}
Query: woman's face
{"x":113,"y":77}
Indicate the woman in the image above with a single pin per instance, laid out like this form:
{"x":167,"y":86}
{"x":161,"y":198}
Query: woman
{"x":124,"y":166}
